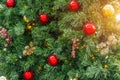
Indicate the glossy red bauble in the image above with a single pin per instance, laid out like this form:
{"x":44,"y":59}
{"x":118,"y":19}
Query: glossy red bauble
{"x":28,"y":75}
{"x":89,"y":28}
{"x":53,"y":60}
{"x":43,"y":18}
{"x":10,"y":3}
{"x":74,"y":5}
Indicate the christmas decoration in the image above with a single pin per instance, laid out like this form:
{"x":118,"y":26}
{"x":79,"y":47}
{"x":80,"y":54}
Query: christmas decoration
{"x":105,"y":66}
{"x":74,"y":47}
{"x":111,"y":40}
{"x":83,"y":42}
{"x":74,"y":5}
{"x":101,"y":45}
{"x":108,"y":10}
{"x":75,"y":78}
{"x":30,"y":25}
{"x":93,"y":57}
{"x":10,"y":3}
{"x":28,"y":75}
{"x":104,"y":47}
{"x":53,"y":60}
{"x":29,"y":49}
{"x":89,"y":28}
{"x":3,"y":78}
{"x":25,"y":19}
{"x":43,"y":18}
{"x":5,"y":35}
{"x":105,"y":51}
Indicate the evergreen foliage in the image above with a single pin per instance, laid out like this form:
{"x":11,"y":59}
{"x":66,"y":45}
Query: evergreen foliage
{"x":55,"y":37}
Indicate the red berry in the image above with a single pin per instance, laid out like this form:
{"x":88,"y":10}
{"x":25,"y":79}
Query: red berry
{"x":43,"y":18}
{"x":28,"y":75}
{"x":89,"y":28}
{"x":53,"y":60}
{"x":74,"y":5}
{"x":10,"y":3}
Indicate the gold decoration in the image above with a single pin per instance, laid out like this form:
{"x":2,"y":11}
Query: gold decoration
{"x":108,"y":10}
{"x":29,"y":49}
{"x":105,"y":51}
{"x":92,"y":57}
{"x":30,"y":25}
{"x":101,"y":45}
{"x":104,"y":47}
{"x":84,"y":46}
{"x":105,"y":66}
{"x":75,"y":78}
{"x":25,"y":19}
{"x":111,"y":40}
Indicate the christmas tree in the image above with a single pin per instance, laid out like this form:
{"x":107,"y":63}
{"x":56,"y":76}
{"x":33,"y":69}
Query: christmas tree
{"x":59,"y":40}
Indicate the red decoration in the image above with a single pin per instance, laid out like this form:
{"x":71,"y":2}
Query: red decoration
{"x":43,"y":18}
{"x":28,"y":75}
{"x":89,"y":28}
{"x":10,"y":3}
{"x":74,"y":5}
{"x":53,"y":60}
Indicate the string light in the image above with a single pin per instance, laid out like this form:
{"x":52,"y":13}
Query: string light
{"x":118,"y":17}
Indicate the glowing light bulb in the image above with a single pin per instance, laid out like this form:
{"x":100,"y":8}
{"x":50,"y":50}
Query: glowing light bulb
{"x":118,"y":17}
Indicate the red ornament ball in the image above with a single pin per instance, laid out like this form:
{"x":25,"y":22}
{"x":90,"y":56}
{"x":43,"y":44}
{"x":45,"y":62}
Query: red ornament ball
{"x":74,"y":5}
{"x":89,"y":28}
{"x":53,"y":60}
{"x":10,"y":3}
{"x":43,"y":18}
{"x":28,"y":75}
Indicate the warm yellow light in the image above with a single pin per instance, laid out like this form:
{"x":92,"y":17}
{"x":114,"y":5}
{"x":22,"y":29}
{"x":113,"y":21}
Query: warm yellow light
{"x":108,"y":10}
{"x":118,"y":17}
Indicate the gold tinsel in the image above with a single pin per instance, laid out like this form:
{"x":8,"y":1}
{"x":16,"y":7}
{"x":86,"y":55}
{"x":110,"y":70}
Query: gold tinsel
{"x":28,"y":50}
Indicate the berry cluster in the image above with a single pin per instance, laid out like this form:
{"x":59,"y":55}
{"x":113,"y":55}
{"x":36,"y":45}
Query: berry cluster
{"x":74,"y":47}
{"x":4,"y":34}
